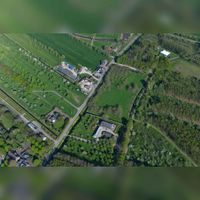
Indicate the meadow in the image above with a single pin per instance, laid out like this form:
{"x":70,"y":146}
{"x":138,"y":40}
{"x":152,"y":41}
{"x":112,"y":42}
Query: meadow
{"x":38,"y":49}
{"x":70,"y":49}
{"x":115,"y":97}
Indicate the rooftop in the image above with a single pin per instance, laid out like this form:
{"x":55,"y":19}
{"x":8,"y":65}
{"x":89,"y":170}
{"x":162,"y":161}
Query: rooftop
{"x":165,"y":53}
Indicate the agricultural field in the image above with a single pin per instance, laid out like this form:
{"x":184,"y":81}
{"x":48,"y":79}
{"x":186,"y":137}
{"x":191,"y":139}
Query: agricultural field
{"x":68,"y":48}
{"x":36,"y":87}
{"x":109,"y":44}
{"x":38,"y":49}
{"x":115,"y":97}
{"x":140,"y":107}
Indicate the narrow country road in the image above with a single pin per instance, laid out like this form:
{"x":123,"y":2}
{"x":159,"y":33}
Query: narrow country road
{"x":127,"y":66}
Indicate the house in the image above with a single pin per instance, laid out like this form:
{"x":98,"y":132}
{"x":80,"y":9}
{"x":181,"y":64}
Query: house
{"x":53,"y":117}
{"x":68,"y":70}
{"x":108,"y":125}
{"x":86,"y":86}
{"x":34,"y":127}
{"x":20,"y":156}
{"x":165,"y":53}
{"x":105,"y":129}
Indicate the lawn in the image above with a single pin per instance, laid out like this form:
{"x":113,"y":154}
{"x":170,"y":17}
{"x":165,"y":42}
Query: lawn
{"x":114,"y":98}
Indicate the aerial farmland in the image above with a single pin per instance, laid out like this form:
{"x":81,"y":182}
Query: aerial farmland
{"x":90,"y":99}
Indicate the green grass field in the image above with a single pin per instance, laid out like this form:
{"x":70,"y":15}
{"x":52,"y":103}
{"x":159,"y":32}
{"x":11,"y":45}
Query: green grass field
{"x":27,"y":42}
{"x":115,"y":97}
{"x":71,"y":49}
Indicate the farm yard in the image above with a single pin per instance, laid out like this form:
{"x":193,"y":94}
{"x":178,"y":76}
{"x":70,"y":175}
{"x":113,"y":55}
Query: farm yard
{"x":115,"y":97}
{"x":37,"y":88}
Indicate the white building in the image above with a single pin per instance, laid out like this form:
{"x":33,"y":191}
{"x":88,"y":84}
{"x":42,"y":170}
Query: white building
{"x":165,"y":53}
{"x":105,"y":129}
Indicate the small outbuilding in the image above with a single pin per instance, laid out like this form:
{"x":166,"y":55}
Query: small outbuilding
{"x":165,"y":53}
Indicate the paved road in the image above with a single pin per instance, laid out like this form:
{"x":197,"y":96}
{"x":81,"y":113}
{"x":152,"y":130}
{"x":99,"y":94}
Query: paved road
{"x":80,"y":109}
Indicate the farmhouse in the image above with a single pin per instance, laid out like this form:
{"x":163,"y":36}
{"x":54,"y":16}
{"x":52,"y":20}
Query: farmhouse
{"x":86,"y":86}
{"x":165,"y":53}
{"x":68,"y":70}
{"x":21,"y":156}
{"x":53,"y":116}
{"x":105,"y":129}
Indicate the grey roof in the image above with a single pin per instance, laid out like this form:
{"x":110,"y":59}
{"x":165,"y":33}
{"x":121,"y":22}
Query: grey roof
{"x":67,"y":72}
{"x":108,"y":125}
